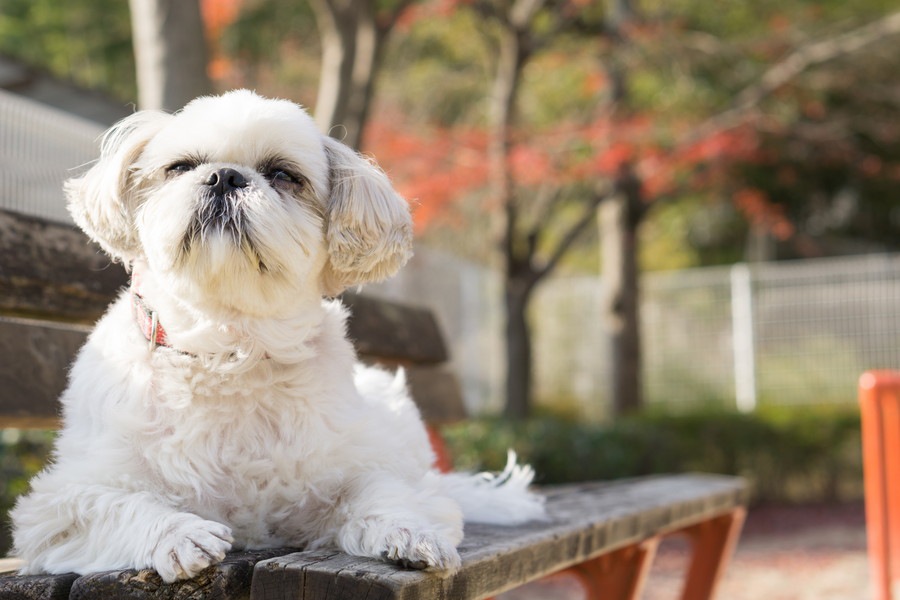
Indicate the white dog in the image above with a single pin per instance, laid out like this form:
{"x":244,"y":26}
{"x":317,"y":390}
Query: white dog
{"x":218,"y":403}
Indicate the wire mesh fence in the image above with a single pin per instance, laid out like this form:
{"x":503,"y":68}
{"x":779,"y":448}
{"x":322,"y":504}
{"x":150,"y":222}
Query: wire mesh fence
{"x":40,"y":147}
{"x":793,"y":333}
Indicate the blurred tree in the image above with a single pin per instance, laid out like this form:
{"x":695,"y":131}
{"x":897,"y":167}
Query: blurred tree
{"x":85,"y":41}
{"x":647,"y":137}
{"x":170,"y":52}
{"x":352,"y":34}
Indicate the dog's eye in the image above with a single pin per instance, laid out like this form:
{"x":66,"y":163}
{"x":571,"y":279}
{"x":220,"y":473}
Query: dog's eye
{"x":182,"y":166}
{"x":282,"y":176}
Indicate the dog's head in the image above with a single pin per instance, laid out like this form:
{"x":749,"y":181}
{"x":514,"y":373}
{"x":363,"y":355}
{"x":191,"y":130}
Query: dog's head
{"x":241,"y":201}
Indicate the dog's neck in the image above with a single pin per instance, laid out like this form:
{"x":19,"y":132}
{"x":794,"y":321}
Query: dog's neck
{"x":167,"y":322}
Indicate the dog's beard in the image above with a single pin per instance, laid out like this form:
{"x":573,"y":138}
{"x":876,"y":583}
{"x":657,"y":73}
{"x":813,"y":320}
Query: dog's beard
{"x":222,"y":219}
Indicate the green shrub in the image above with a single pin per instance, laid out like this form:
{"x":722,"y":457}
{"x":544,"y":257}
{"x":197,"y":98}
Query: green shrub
{"x":22,"y":454}
{"x":794,"y":455}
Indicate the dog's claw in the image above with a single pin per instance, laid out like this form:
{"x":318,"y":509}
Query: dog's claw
{"x":190,"y":548}
{"x":406,"y":563}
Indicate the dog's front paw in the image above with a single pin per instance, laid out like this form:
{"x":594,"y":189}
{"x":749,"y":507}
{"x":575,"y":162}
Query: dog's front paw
{"x":189,"y":547}
{"x":420,"y":550}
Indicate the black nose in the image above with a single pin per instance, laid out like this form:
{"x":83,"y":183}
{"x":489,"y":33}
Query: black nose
{"x":225,"y":180}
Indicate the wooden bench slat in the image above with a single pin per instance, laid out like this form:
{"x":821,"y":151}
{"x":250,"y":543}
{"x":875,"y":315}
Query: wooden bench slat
{"x":228,"y":579}
{"x":390,"y":330}
{"x":51,"y":270}
{"x":36,"y":587}
{"x":585,"y":521}
{"x":33,"y":359}
{"x":437,"y":393}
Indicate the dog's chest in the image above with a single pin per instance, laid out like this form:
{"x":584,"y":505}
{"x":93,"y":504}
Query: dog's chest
{"x":242,"y":450}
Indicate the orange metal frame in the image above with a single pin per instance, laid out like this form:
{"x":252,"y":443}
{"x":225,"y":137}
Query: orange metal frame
{"x":620,"y":574}
{"x":879,"y":403}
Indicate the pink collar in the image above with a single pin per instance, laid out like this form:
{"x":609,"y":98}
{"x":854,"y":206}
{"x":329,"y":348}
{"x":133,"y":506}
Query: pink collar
{"x":146,"y":318}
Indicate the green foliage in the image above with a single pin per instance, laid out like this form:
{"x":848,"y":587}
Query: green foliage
{"x":86,"y":41}
{"x":788,"y":455}
{"x":261,"y":30}
{"x":22,"y":454}
{"x":438,"y":71}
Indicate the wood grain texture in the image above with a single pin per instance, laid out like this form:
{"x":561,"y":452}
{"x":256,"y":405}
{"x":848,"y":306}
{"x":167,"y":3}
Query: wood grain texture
{"x":51,"y":270}
{"x":585,"y":521}
{"x":229,"y":579}
{"x":36,"y":587}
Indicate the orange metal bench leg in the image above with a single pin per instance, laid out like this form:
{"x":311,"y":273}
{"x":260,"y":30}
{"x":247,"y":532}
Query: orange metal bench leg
{"x":879,"y":402}
{"x":713,"y":543}
{"x":619,"y":575}
{"x":442,"y":460}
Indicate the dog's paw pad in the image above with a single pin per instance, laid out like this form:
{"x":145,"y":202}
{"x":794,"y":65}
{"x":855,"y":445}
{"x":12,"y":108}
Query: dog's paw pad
{"x":191,"y":547}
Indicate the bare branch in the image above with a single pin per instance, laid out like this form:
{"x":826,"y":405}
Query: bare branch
{"x":803,"y":58}
{"x":574,"y":232}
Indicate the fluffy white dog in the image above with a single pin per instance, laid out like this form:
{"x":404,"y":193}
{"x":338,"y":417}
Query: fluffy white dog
{"x":218,"y":403}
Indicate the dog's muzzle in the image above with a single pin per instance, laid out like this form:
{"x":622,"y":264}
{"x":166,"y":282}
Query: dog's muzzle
{"x":219,"y":211}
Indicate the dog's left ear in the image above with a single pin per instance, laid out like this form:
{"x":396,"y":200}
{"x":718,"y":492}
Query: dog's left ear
{"x":369,"y":228}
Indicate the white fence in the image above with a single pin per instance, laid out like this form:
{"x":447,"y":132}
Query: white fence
{"x":776,"y":333}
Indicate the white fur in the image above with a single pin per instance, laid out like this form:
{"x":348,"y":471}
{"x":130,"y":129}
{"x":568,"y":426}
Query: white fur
{"x":257,"y":428}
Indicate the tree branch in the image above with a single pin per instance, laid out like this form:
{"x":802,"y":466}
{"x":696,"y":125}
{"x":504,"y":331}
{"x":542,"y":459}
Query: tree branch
{"x":571,"y":235}
{"x":801,"y":59}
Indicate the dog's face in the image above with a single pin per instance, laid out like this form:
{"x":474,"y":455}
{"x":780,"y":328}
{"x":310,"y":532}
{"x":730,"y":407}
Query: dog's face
{"x":239,"y":203}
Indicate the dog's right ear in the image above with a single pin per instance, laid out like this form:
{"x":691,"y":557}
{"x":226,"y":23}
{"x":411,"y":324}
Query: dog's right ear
{"x":103,"y":200}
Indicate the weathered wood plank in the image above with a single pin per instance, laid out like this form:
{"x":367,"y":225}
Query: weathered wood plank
{"x":36,"y":587}
{"x":584,"y":522}
{"x":437,"y":393}
{"x":385,"y":329}
{"x":229,"y":579}
{"x":51,"y":270}
{"x":34,"y":359}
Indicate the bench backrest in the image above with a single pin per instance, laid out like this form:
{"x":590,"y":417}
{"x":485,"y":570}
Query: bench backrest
{"x":54,"y":284}
{"x":879,"y":401}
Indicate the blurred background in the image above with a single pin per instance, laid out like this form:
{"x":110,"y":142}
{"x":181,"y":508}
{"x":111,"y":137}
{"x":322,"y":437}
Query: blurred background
{"x":658,"y":235}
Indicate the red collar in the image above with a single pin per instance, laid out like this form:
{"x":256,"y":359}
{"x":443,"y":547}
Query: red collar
{"x":146,"y":318}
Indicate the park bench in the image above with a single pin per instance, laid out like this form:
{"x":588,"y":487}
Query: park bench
{"x":53,"y":283}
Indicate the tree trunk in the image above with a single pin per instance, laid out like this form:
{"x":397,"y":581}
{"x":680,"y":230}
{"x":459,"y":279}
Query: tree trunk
{"x":170,"y":52}
{"x":516,"y":266}
{"x":518,"y":351}
{"x":619,"y":218}
{"x":351,"y":51}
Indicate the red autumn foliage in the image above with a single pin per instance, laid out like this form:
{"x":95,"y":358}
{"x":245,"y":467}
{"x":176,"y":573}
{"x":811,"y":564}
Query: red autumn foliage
{"x":762,"y":213}
{"x":217,"y":15}
{"x":436,"y":167}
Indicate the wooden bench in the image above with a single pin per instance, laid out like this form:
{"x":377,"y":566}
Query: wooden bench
{"x":879,"y":403}
{"x":52,"y":283}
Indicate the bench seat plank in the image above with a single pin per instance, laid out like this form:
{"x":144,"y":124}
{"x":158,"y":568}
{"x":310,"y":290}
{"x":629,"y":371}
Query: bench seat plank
{"x":36,"y":587}
{"x":585,"y":521}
